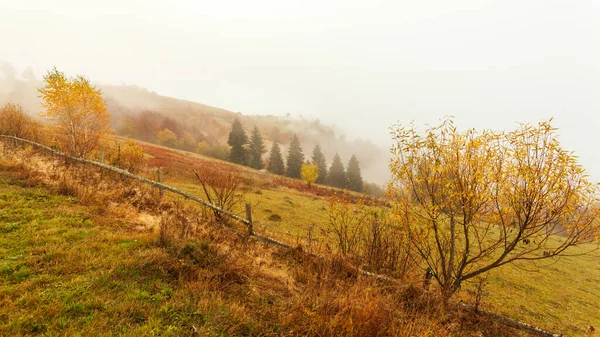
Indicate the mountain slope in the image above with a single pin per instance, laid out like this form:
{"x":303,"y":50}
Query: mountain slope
{"x":142,"y":114}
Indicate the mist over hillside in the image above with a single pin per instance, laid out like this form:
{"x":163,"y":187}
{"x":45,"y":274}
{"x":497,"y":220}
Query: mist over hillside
{"x":204,"y":122}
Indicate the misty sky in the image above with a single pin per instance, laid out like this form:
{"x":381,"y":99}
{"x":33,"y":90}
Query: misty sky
{"x":359,"y":65}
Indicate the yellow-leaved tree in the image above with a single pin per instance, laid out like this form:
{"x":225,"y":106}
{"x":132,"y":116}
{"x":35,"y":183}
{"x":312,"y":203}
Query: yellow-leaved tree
{"x":78,"y":109}
{"x":309,"y":173}
{"x":473,"y":201}
{"x":167,"y":138}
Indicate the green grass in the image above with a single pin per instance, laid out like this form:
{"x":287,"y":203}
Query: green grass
{"x":298,"y":211}
{"x":562,"y":295}
{"x":64,"y":271}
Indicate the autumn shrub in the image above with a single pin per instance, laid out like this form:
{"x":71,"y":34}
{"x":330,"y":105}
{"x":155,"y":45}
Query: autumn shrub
{"x":15,"y":122}
{"x":213,"y":150}
{"x":347,"y":223}
{"x":175,"y":224}
{"x":127,"y":155}
{"x":385,"y":247}
{"x":373,"y":189}
{"x":368,"y":237}
{"x":222,"y":188}
{"x":132,"y":156}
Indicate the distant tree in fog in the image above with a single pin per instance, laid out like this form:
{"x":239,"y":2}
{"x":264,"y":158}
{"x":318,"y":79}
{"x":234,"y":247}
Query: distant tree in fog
{"x":167,"y":137}
{"x":257,"y":149}
{"x":276,"y":160}
{"x":295,"y":158}
{"x":337,"y":174}
{"x":238,"y":141}
{"x":319,"y":159}
{"x":355,"y":182}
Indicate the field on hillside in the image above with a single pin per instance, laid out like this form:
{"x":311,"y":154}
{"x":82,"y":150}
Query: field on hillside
{"x":299,"y":208}
{"x":561,"y":295}
{"x":80,"y":260}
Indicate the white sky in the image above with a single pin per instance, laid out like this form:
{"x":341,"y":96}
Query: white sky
{"x":360,"y":65}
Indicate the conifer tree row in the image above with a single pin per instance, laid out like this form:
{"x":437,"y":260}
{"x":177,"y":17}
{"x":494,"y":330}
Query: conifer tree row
{"x":250,"y":151}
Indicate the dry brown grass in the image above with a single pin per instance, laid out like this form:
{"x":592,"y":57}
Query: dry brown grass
{"x":265,"y":290}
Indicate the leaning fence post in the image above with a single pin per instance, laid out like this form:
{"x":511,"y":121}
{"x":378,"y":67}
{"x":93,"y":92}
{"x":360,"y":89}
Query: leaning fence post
{"x":160,"y":189}
{"x":249,"y":217}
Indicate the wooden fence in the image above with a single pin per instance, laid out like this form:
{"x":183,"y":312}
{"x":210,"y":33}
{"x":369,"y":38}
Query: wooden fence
{"x":248,"y":223}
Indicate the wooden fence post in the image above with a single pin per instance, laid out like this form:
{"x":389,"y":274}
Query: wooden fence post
{"x":249,"y":217}
{"x":160,"y":189}
{"x":101,"y":162}
{"x":118,"y":155}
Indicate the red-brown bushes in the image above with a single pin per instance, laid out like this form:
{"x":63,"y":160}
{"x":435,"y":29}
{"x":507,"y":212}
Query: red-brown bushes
{"x":223,"y":189}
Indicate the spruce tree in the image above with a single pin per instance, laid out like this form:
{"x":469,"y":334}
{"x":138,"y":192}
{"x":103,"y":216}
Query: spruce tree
{"x":319,"y":159}
{"x":238,"y":140}
{"x":337,"y":175}
{"x":295,"y":158}
{"x":355,"y":182}
{"x":276,"y":160}
{"x":257,"y":149}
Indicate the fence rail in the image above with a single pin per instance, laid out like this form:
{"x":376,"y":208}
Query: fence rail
{"x":133,"y":176}
{"x":248,"y":223}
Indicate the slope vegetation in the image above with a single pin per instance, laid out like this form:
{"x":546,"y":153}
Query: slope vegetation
{"x":81,"y":254}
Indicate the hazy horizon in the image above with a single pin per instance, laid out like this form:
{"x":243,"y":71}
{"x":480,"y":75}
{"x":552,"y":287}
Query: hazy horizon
{"x":360,"y":66}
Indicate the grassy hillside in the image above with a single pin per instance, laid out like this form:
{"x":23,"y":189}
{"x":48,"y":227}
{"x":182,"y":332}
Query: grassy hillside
{"x":80,"y":255}
{"x":560,"y":295}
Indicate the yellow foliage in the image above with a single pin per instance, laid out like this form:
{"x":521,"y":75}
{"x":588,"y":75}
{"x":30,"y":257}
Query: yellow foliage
{"x":132,"y":156}
{"x":166,"y":137}
{"x":309,"y":173}
{"x":79,"y":110}
{"x":202,"y":147}
{"x":473,"y":201}
{"x":15,"y":122}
